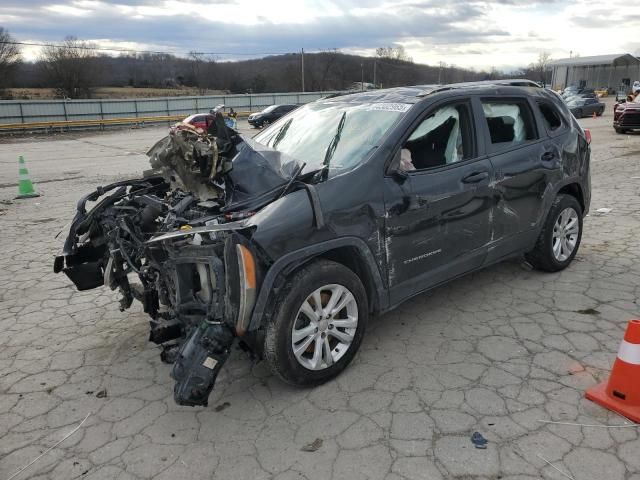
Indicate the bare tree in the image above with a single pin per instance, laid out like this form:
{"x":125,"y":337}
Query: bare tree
{"x":541,"y":67}
{"x":394,"y":53}
{"x":202,"y":71}
{"x":9,"y":57}
{"x":72,"y":68}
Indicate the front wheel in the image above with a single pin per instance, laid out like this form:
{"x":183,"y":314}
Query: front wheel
{"x":578,"y":114}
{"x":560,"y":237}
{"x":318,"y":324}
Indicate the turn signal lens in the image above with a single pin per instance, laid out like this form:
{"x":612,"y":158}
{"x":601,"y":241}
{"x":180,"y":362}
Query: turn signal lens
{"x":247,"y":271}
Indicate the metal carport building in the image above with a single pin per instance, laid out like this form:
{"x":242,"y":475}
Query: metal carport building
{"x":601,"y":71}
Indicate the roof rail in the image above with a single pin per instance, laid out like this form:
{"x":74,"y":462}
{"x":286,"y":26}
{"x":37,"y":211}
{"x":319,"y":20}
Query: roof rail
{"x":485,"y":83}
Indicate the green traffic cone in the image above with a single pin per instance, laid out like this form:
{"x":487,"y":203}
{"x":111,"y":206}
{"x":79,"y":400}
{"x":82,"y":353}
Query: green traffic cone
{"x":25,"y":187}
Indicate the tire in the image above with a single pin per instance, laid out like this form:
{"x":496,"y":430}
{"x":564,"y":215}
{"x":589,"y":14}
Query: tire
{"x":620,"y":130}
{"x":599,"y":113}
{"x":300,"y":289}
{"x":578,"y":114}
{"x":544,"y":256}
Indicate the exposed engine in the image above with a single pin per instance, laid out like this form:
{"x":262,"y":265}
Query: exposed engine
{"x":182,"y":279}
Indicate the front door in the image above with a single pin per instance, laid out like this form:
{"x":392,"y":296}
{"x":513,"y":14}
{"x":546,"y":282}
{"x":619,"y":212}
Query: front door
{"x":439,"y":205}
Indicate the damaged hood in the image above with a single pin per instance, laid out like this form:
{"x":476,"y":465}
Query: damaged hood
{"x":189,"y":160}
{"x":257,"y":174}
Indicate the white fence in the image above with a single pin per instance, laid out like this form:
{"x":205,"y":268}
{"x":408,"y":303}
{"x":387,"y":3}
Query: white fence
{"x":29,"y":111}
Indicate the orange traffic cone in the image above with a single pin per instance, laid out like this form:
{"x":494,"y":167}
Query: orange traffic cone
{"x":594,"y":115}
{"x":622,"y":392}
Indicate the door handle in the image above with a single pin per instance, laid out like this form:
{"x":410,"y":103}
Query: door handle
{"x":475,"y":177}
{"x":548,"y":156}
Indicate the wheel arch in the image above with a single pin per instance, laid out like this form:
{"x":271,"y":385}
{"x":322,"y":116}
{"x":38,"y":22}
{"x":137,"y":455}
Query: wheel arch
{"x":352,"y":252}
{"x":575,"y":190}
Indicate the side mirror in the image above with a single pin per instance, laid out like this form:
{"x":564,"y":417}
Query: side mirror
{"x":395,"y":170}
{"x":400,"y":175}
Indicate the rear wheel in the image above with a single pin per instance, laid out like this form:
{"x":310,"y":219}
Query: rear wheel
{"x":560,"y":237}
{"x":318,"y":324}
{"x":600,"y":112}
{"x":620,"y":130}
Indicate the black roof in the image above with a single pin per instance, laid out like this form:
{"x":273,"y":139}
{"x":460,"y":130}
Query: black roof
{"x":417,"y":93}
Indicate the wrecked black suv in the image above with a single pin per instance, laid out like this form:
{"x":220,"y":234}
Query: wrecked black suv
{"x":344,"y":208}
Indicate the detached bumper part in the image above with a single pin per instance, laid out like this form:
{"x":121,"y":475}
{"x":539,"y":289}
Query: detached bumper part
{"x":199,"y":362}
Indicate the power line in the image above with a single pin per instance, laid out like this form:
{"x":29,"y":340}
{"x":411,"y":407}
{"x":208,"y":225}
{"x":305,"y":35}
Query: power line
{"x":133,"y":50}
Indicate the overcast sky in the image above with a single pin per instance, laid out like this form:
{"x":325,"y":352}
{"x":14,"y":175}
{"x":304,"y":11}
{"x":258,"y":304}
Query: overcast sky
{"x":483,"y":34}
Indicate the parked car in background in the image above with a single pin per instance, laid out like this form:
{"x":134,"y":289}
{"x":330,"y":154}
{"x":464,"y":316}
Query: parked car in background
{"x":570,"y":91}
{"x":575,"y":91}
{"x":585,"y":107}
{"x":199,"y":120}
{"x":269,"y":115}
{"x":636,"y":87}
{"x":626,"y":116}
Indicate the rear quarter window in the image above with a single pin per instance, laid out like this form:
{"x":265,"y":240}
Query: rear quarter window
{"x":551,"y":117}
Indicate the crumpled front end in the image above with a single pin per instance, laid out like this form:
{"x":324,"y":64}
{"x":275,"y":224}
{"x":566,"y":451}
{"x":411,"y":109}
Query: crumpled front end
{"x":171,"y":242}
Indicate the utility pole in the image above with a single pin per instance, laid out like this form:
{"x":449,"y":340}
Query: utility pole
{"x":303,"y":70}
{"x":374,"y":73}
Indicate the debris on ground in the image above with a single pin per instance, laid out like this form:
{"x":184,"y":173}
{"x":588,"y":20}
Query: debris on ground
{"x":588,"y":311}
{"x":313,"y":446}
{"x":603,"y":210}
{"x":222,"y":406}
{"x":479,"y":441}
{"x":22,"y":469}
{"x":102,"y":393}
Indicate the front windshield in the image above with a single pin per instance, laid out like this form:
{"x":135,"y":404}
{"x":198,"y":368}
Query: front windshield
{"x":331,"y":135}
{"x":269,"y":109}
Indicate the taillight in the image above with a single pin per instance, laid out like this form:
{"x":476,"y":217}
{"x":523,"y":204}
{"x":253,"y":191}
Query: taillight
{"x":587,"y":135}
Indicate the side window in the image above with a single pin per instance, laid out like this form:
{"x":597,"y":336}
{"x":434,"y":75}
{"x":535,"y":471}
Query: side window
{"x":444,"y":137}
{"x":551,"y":117}
{"x":510,"y":123}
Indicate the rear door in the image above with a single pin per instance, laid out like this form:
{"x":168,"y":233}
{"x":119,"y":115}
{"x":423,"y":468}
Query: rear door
{"x":438,"y":209}
{"x":525,"y":162}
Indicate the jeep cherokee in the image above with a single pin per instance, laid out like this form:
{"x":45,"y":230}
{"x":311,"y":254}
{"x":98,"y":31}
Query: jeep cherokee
{"x":290,"y":241}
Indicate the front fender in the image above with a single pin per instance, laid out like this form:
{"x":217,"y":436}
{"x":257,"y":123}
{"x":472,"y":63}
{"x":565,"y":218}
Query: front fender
{"x":300,"y":256}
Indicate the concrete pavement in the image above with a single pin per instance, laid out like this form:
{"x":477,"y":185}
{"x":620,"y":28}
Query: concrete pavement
{"x":494,"y":352}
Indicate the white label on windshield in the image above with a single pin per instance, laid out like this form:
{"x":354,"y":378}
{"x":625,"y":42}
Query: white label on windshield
{"x":390,"y":107}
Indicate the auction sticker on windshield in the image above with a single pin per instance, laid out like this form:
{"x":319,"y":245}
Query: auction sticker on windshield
{"x":389,"y":107}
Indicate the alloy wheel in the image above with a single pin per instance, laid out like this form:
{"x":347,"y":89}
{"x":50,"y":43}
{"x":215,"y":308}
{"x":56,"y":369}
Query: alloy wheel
{"x":325,"y":327}
{"x":565,"y":234}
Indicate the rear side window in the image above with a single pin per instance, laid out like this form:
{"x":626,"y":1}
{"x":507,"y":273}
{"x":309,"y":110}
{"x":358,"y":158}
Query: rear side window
{"x":510,"y":123}
{"x":551,"y":117}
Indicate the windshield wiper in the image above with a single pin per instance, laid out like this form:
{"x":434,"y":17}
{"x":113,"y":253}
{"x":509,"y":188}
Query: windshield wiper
{"x":331,"y":149}
{"x":281,"y":133}
{"x":293,"y":178}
